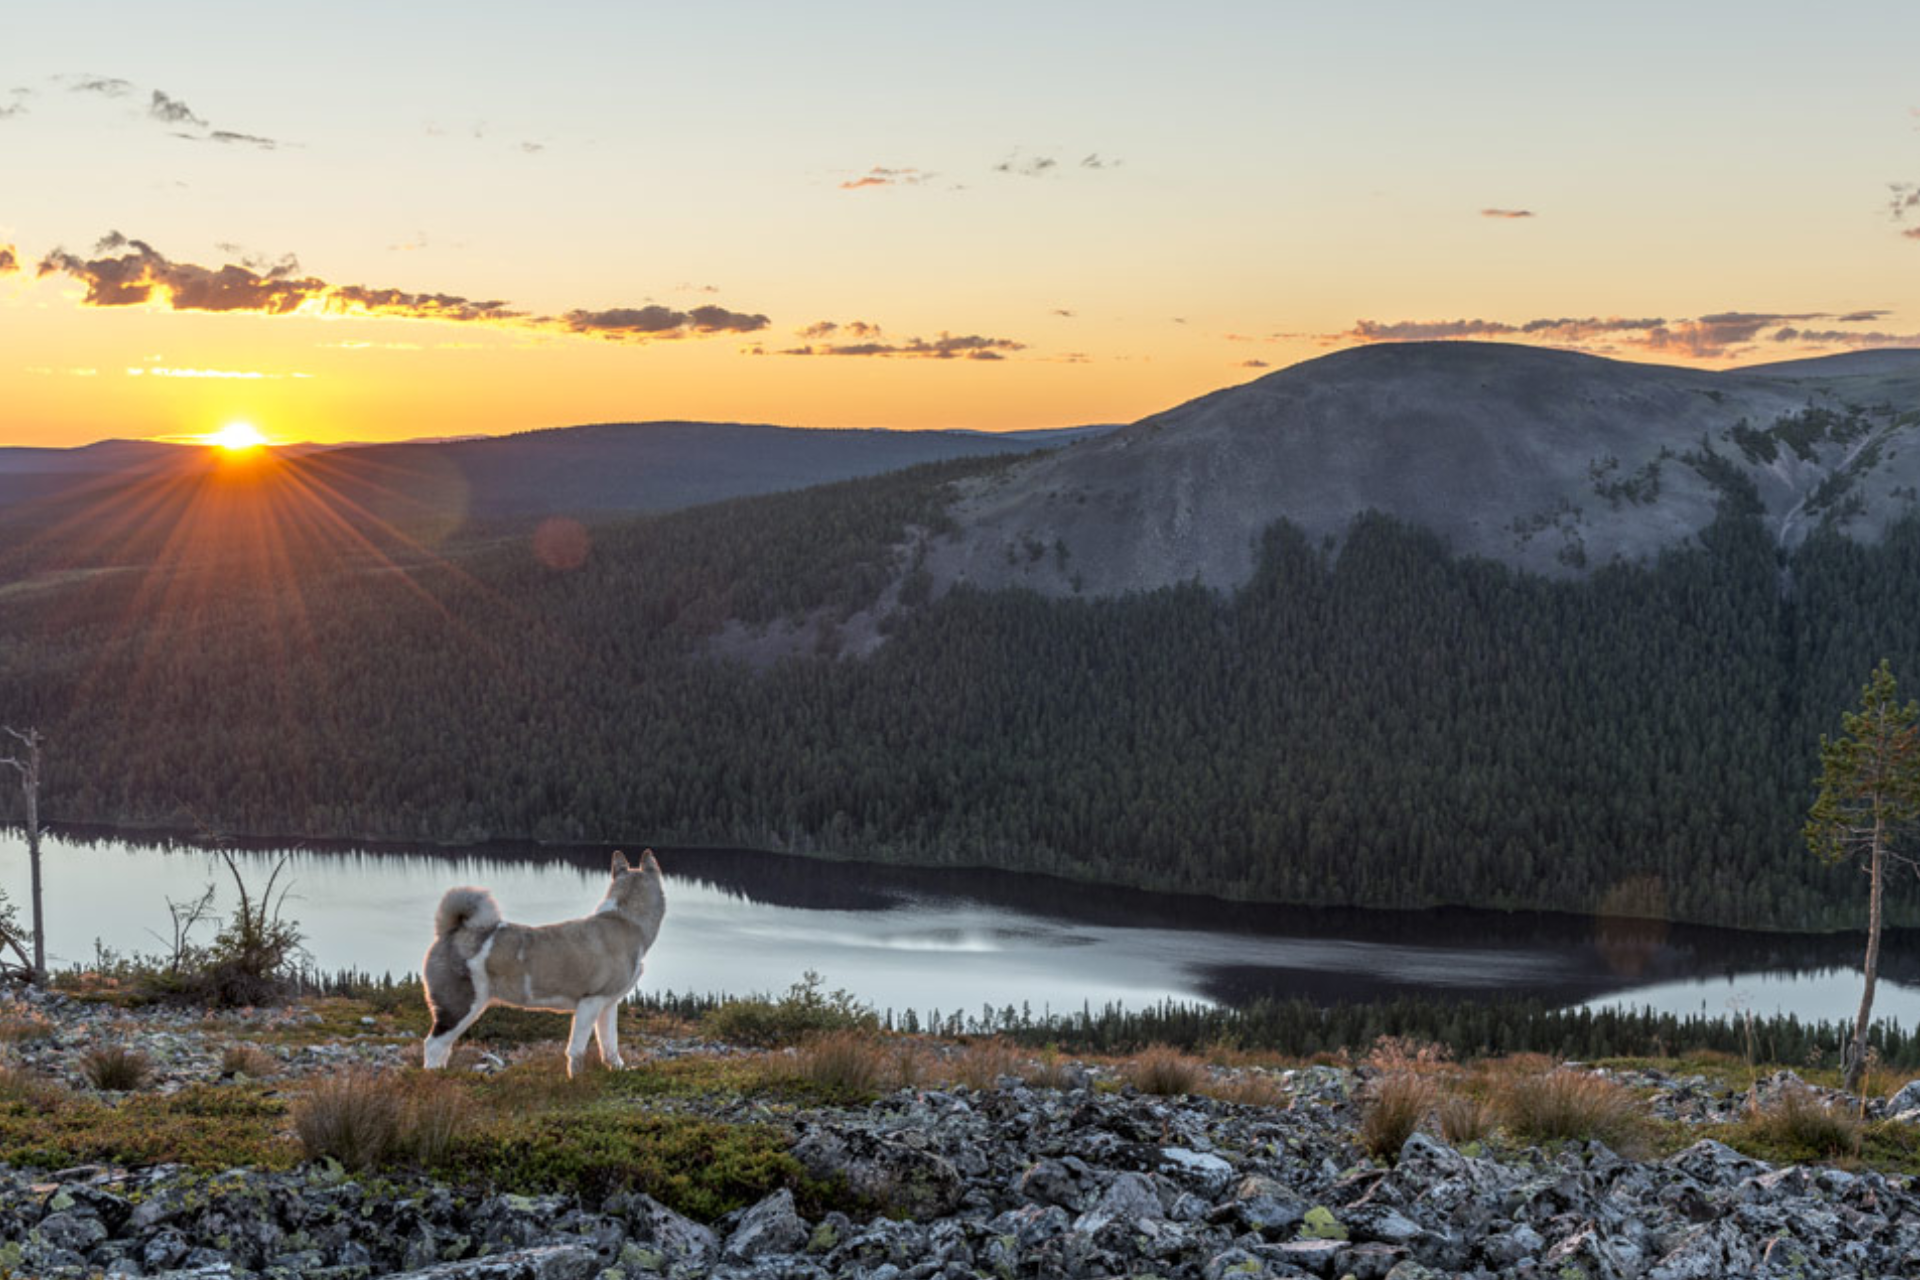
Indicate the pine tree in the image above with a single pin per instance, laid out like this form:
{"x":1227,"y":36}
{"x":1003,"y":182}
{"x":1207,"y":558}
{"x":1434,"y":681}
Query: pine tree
{"x":1869,"y":789}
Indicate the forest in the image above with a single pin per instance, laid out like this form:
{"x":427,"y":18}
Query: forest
{"x":1375,"y":724}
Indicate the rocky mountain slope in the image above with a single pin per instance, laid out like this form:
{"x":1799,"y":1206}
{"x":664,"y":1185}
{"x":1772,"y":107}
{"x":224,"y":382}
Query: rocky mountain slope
{"x":1544,"y":460}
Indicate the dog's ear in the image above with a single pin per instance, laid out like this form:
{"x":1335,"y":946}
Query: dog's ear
{"x":620,"y":867}
{"x":648,"y":863}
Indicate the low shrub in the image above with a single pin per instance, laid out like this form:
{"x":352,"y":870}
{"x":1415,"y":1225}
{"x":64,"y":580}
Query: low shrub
{"x":805,"y":1010}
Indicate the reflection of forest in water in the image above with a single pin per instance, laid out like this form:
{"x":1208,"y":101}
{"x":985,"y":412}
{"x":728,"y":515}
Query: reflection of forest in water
{"x":1235,"y":952}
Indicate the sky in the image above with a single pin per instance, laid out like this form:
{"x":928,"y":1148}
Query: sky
{"x":359,"y":221}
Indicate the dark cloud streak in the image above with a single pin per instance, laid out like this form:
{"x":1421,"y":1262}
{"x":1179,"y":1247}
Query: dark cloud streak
{"x":125,"y":272}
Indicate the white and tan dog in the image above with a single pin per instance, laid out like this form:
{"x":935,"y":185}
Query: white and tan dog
{"x":585,"y":966}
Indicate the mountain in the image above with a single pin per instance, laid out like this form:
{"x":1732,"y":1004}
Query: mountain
{"x":1281,"y":681}
{"x":1548,"y":461}
{"x":443,"y":487}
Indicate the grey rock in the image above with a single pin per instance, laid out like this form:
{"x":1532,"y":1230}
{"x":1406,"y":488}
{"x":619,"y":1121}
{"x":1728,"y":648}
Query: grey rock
{"x":69,"y":1231}
{"x":1907,"y":1099}
{"x":772,"y":1226}
{"x":1068,"y":1182}
{"x":1203,"y":1171}
{"x":546,"y":1262}
{"x":898,"y":1178}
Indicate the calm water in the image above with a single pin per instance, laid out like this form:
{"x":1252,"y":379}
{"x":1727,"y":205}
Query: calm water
{"x":742,"y":922}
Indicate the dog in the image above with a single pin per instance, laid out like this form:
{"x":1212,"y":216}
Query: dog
{"x":586,"y":966}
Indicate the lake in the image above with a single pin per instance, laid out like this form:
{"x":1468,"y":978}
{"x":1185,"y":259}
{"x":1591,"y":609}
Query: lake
{"x":741,"y":922}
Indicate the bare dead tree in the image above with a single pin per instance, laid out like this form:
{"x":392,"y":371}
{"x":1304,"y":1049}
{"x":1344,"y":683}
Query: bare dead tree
{"x":26,"y":761}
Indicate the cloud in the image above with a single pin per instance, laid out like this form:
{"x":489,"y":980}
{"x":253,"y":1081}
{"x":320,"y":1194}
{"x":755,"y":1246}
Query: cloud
{"x":827,"y":328}
{"x":1506,"y":213}
{"x":947,"y":346}
{"x":1716,"y":335}
{"x":1255,"y":364}
{"x":656,"y":321}
{"x":105,"y":86}
{"x":1027,"y":166}
{"x":229,"y":138}
{"x":16,"y":108}
{"x":1911,"y":233}
{"x":1094,"y":160}
{"x":126,"y":272}
{"x":1065,"y":313}
{"x":247,"y":375}
{"x":9,"y":260}
{"x":1906,"y":195}
{"x":881,"y":176}
{"x":172,"y":111}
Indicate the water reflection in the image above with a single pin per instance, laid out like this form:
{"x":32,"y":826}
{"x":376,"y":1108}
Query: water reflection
{"x":740,"y":921}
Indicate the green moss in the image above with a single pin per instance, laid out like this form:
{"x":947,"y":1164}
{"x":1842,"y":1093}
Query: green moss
{"x":1320,"y":1224}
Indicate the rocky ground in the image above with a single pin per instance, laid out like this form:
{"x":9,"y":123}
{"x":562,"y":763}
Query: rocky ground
{"x":1012,"y":1180}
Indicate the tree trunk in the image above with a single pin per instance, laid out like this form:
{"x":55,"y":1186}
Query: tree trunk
{"x":1857,"y":1051}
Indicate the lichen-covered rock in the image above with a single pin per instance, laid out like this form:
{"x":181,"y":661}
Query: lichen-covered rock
{"x":770,"y":1227}
{"x":891,"y":1175}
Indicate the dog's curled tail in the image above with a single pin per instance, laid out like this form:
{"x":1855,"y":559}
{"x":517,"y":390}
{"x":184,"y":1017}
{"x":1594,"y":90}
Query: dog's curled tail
{"x":466,"y":916}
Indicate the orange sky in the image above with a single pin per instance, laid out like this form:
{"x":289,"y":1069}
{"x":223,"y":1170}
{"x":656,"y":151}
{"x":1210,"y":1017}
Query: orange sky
{"x":861,"y":215}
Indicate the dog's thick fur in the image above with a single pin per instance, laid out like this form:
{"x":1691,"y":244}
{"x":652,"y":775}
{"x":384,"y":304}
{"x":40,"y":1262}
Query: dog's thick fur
{"x":586,"y":966}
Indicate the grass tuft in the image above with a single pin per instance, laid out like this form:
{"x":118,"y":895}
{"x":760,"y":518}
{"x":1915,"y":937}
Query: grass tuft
{"x":1799,"y":1124}
{"x":353,"y":1117}
{"x":248,"y":1060}
{"x":1464,"y":1118}
{"x":981,"y":1064}
{"x":1165,"y":1071}
{"x":1571,"y":1106}
{"x":1394,"y":1106}
{"x":116,"y":1069}
{"x":852,"y":1064}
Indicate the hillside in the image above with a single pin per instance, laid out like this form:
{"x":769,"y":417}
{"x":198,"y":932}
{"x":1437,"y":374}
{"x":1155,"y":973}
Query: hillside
{"x":1547,"y":461}
{"x":1367,"y":717}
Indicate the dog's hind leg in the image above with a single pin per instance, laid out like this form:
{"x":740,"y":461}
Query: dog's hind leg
{"x":441,"y":1038}
{"x":606,"y":1030}
{"x":584,"y":1016}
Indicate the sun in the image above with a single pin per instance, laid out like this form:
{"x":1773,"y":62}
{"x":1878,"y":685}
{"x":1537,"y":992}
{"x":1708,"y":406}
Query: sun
{"x":237,"y":437}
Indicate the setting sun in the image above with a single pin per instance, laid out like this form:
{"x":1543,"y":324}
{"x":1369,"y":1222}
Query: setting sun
{"x":237,"y":437}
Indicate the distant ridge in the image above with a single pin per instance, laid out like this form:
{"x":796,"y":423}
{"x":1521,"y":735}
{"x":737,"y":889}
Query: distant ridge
{"x":1550,"y":461}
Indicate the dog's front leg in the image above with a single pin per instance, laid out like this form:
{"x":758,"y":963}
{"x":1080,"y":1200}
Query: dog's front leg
{"x":584,"y":1015}
{"x":606,"y":1030}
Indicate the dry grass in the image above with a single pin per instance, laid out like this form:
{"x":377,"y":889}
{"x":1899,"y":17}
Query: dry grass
{"x":847,"y":1062}
{"x":363,"y":1118}
{"x":19,"y":1024}
{"x":981,"y":1064}
{"x":1571,"y":1105}
{"x":248,"y":1060}
{"x":116,"y":1069}
{"x":353,"y":1118}
{"x":27,"y":1089}
{"x":1249,"y":1087}
{"x":1164,"y":1071}
{"x":1398,"y":1055}
{"x":1394,"y":1106}
{"x":1049,"y":1070}
{"x":1464,"y":1118}
{"x":1801,"y":1121}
